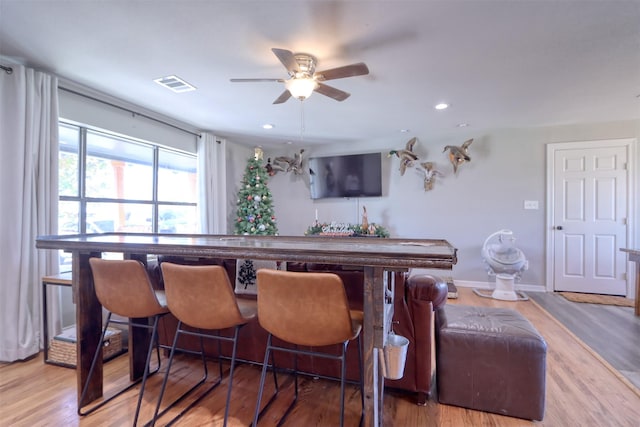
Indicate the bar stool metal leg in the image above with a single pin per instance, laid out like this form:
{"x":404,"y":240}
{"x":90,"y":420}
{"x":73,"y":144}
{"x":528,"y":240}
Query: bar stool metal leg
{"x":147,"y":371}
{"x":258,"y":413}
{"x":154,"y":338}
{"x":202,"y":335}
{"x":157,"y":412}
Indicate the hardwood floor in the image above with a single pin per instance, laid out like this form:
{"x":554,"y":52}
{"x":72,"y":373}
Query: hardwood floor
{"x":613,"y":332}
{"x":581,"y":391}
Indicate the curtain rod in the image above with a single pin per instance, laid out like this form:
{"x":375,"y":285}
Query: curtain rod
{"x":135,"y":113}
{"x":8,"y":70}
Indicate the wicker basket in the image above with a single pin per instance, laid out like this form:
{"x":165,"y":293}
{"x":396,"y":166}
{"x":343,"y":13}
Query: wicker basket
{"x":63,"y":346}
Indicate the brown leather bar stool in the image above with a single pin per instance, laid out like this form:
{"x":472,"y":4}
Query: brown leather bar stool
{"x":307,"y":309}
{"x":202,"y":298}
{"x":123,"y":287}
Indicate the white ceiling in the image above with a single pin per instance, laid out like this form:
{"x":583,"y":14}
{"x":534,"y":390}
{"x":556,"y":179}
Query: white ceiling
{"x":499,"y":64}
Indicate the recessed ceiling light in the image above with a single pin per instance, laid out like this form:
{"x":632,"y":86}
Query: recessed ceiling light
{"x":405,"y":130}
{"x":462,"y":125}
{"x":267,"y":126}
{"x":441,"y":106}
{"x":175,"y":83}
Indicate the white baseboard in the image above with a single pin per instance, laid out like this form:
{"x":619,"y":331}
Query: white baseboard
{"x":524,"y":287}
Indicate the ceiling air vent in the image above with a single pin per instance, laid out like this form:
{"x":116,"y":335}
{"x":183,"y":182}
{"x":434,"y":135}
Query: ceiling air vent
{"x":175,"y":83}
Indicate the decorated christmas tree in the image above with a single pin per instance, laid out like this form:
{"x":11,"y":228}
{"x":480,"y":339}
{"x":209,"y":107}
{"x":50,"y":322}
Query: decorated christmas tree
{"x":255,"y":204}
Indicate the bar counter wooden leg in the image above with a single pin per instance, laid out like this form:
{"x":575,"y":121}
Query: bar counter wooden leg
{"x":372,"y":339}
{"x":138,"y":341}
{"x":138,"y":337}
{"x":88,"y":326}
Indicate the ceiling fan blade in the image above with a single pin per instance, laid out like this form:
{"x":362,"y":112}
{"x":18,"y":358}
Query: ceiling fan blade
{"x":256,"y":80}
{"x":288,"y":60}
{"x":284,"y":96}
{"x":359,"y":69}
{"x":332,"y":92}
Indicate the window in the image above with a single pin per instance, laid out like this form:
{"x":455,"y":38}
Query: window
{"x":109,"y":182}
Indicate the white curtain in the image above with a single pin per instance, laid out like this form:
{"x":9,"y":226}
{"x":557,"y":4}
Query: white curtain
{"x":212,"y":184}
{"x":28,"y":194}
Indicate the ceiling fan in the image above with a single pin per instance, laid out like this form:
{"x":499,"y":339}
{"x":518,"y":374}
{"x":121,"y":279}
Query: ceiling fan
{"x":304,"y":79}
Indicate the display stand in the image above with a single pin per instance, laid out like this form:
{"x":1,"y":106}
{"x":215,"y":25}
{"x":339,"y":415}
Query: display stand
{"x":62,"y":279}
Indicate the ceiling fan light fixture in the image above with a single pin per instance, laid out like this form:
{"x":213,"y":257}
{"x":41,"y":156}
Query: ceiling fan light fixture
{"x":301,"y":88}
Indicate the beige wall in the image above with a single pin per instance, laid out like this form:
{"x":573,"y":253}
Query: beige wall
{"x":508,"y":166}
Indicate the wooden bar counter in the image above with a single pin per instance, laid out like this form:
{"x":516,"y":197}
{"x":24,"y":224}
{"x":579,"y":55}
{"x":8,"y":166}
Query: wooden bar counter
{"x":378,"y":256}
{"x":634,"y":256}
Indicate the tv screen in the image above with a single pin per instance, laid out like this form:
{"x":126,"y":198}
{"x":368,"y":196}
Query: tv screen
{"x":355,"y":175}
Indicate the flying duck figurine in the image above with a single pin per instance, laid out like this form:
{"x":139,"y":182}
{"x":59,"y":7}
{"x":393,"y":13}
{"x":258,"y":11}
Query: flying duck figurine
{"x":274,"y":168}
{"x":458,"y":155}
{"x":429,"y":172}
{"x":406,"y":156}
{"x":288,"y":164}
{"x":297,"y":164}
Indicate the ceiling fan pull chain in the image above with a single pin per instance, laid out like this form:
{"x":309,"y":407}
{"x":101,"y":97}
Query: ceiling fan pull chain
{"x":301,"y":121}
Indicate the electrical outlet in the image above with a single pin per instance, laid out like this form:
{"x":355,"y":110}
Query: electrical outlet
{"x":531,"y":204}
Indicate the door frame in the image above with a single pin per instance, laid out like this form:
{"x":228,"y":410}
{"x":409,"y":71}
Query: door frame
{"x":551,"y":148}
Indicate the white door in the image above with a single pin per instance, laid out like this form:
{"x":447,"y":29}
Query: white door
{"x":589,"y":217}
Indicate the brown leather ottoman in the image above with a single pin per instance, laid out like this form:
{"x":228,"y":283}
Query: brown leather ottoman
{"x":490,"y":359}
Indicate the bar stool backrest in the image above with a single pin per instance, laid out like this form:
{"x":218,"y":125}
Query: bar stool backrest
{"x":304,"y":308}
{"x":201,"y":296}
{"x":123,"y":287}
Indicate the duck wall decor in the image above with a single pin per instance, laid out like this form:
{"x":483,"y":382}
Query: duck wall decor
{"x":406,"y":156}
{"x":458,"y":155}
{"x":286,"y":164}
{"x":274,"y":168}
{"x":429,"y":173}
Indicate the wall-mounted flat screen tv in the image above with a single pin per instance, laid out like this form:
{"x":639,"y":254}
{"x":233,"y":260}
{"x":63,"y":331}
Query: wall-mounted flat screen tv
{"x":354,"y":175}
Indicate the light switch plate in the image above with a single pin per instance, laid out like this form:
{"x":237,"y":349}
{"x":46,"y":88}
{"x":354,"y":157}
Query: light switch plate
{"x":531,"y":204}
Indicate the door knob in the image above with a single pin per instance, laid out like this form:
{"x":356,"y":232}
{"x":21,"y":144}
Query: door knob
{"x":559,"y":227}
